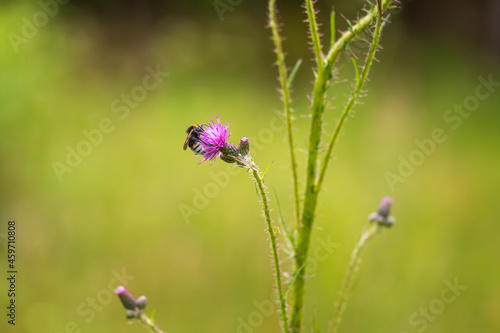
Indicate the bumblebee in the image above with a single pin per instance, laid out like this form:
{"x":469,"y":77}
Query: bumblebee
{"x":193,"y":139}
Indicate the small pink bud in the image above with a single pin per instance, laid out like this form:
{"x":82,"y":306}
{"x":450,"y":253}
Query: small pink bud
{"x":127,"y":299}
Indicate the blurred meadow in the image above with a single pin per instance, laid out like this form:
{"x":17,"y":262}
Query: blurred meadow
{"x":190,"y":237}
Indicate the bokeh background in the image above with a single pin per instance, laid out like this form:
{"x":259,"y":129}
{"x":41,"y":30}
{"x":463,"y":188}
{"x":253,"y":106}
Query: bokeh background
{"x":133,"y":204}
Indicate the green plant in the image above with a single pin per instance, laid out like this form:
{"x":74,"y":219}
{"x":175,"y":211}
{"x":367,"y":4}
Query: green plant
{"x":210,"y":140}
{"x":305,"y":213}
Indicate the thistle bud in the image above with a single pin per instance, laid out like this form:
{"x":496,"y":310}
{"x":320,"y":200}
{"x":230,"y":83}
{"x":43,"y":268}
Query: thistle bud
{"x":244,"y":146}
{"x":228,"y":153}
{"x":382,"y":215}
{"x":227,"y":159}
{"x":141,"y":302}
{"x":127,"y":299}
{"x":384,"y":209}
{"x":131,"y":314}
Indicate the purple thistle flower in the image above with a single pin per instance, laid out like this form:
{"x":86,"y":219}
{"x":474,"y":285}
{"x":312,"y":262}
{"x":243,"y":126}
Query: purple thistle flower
{"x":214,"y":138}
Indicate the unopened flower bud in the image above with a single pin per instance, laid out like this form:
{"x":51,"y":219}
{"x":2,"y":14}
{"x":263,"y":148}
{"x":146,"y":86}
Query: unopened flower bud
{"x":131,"y":314}
{"x":228,"y":153}
{"x":373,"y":217}
{"x":382,"y":215}
{"x":141,"y":302}
{"x":127,"y":299}
{"x":244,"y":146}
{"x":388,"y":222}
{"x":384,"y":209}
{"x":227,"y":159}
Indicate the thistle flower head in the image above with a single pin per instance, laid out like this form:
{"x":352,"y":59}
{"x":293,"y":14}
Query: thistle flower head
{"x":382,"y":215}
{"x":210,"y":140}
{"x":214,"y":138}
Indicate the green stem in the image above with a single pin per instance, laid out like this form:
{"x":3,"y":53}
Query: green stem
{"x":323,"y":75}
{"x":356,"y":29}
{"x":360,"y":81}
{"x":308,"y":211}
{"x":313,"y":27}
{"x":285,"y":92}
{"x":149,"y":322}
{"x":351,"y":272}
{"x":333,"y":32}
{"x":272,"y":236}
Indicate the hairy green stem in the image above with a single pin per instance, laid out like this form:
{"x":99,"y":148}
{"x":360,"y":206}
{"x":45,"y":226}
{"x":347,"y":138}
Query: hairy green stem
{"x":333,"y":32}
{"x":356,"y":29}
{"x":305,"y":227}
{"x":285,"y":92}
{"x":360,"y":81}
{"x":323,"y":75}
{"x":351,"y":272}
{"x":149,"y":323}
{"x":313,"y":26}
{"x":308,"y":211}
{"x":272,"y":236}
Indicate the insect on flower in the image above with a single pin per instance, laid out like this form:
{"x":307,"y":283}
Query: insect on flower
{"x":193,"y":139}
{"x":207,"y":139}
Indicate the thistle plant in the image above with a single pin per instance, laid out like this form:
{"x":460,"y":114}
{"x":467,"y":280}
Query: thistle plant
{"x":134,"y":309}
{"x":305,"y":205}
{"x":211,"y":142}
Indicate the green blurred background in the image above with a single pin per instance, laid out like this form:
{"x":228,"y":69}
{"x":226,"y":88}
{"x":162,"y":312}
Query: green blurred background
{"x":121,"y":207}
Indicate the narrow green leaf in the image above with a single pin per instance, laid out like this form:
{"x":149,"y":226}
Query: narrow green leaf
{"x":290,"y":254}
{"x":357,"y":71}
{"x":281,"y":219}
{"x":351,"y":28}
{"x":332,"y":26}
{"x":153,"y":317}
{"x":294,"y":278}
{"x":264,"y":173}
{"x":293,"y":72}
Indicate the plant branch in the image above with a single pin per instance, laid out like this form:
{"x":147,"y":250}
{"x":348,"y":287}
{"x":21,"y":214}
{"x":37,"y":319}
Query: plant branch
{"x":313,"y":27}
{"x":272,"y":236}
{"x":356,"y":29}
{"x":150,"y":323}
{"x":332,"y":27}
{"x":351,"y":272}
{"x":285,"y":94}
{"x":360,"y":81}
{"x":308,"y":211}
{"x":323,"y":75}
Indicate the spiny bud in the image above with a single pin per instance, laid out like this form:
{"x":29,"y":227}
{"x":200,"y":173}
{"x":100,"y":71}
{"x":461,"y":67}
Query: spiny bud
{"x":244,"y":146}
{"x":382,"y":215}
{"x":127,"y":299}
{"x":228,"y":153}
{"x":141,"y":302}
{"x":131,"y":314}
{"x":384,"y":209}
